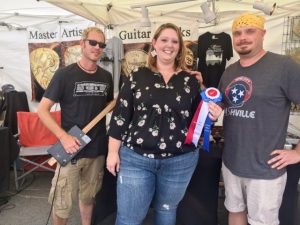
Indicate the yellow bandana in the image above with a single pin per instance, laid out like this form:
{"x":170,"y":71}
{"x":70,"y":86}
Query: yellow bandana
{"x":248,"y":19}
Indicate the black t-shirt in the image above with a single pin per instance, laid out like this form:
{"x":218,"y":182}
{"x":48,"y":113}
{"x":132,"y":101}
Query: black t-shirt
{"x":213,"y":51}
{"x":82,"y":96}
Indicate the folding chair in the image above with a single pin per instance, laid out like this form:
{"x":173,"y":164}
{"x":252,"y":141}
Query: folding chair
{"x":34,"y":140}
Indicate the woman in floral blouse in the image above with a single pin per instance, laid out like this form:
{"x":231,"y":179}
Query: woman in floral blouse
{"x":147,"y":132}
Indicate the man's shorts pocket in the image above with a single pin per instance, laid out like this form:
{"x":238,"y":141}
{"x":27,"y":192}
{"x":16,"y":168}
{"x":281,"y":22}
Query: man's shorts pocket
{"x":63,"y":197}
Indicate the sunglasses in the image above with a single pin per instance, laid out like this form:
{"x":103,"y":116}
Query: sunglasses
{"x":94,"y":43}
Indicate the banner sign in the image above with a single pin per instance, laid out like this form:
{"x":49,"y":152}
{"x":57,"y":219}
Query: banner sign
{"x":132,"y":33}
{"x":137,"y":42}
{"x":52,"y":46}
{"x":57,"y":32}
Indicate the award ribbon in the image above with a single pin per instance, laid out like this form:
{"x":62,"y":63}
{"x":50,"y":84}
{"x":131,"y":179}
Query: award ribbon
{"x":201,"y":118}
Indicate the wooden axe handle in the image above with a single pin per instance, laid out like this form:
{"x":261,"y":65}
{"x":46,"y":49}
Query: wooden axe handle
{"x":51,"y":161}
{"x":99,"y":117}
{"x":91,"y":124}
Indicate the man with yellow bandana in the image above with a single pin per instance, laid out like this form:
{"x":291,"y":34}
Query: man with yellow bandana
{"x":258,"y":90}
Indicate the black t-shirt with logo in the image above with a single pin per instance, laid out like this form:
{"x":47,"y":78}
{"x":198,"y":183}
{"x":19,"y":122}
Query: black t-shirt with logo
{"x":82,"y":96}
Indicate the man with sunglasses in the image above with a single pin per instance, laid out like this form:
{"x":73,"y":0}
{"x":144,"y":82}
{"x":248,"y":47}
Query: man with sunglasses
{"x":94,"y":43}
{"x":82,"y":89}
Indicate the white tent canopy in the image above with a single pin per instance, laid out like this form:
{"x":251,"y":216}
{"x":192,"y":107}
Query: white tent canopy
{"x":117,"y":12}
{"x":113,"y":13}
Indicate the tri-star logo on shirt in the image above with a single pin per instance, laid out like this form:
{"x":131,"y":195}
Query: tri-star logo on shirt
{"x":239,"y":91}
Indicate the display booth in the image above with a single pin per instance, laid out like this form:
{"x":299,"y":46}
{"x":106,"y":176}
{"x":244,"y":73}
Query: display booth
{"x":35,"y":44}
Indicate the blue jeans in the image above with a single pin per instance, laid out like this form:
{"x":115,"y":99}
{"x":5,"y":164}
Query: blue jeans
{"x":142,"y":181}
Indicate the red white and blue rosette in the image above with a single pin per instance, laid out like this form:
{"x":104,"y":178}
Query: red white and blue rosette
{"x":201,"y":120}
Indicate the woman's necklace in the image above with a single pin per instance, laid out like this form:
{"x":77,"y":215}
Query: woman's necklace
{"x":85,"y":70}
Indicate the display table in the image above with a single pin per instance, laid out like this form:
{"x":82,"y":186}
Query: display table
{"x":8,"y":153}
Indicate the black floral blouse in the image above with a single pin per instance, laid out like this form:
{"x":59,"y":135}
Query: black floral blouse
{"x":151,"y":117}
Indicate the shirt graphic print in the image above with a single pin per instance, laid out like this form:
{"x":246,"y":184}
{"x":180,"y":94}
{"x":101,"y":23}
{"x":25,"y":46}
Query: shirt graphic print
{"x":87,"y":88}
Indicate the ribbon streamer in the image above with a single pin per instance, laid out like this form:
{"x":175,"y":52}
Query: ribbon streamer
{"x":201,"y":119}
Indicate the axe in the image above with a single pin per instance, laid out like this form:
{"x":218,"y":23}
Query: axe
{"x":58,"y":152}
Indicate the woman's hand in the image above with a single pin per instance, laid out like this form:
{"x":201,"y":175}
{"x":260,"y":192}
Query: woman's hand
{"x":113,"y":162}
{"x":113,"y":158}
